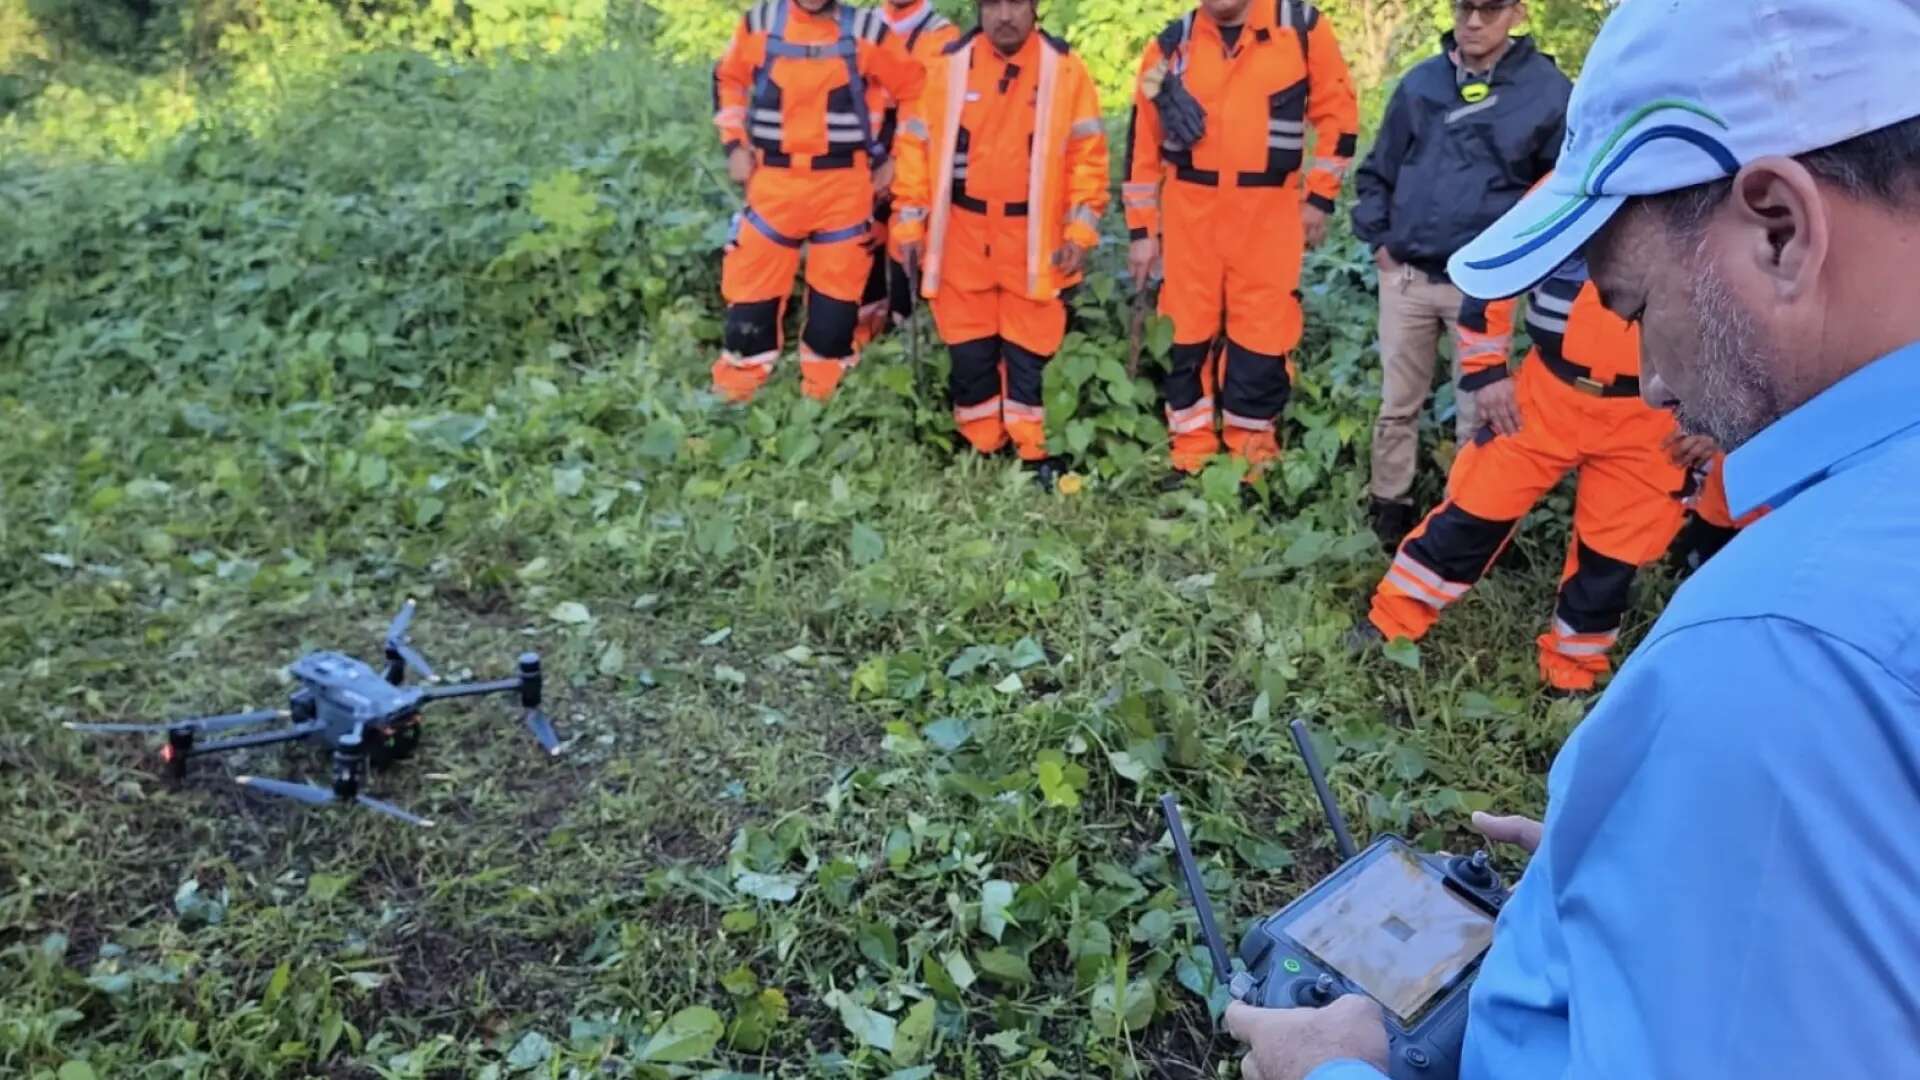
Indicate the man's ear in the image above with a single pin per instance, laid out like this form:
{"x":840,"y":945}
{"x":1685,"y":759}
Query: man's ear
{"x":1781,"y":216}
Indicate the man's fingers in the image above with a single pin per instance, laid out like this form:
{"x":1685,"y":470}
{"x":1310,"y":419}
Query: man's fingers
{"x":1509,"y":829}
{"x":1250,"y":1068}
{"x":1243,"y":1020}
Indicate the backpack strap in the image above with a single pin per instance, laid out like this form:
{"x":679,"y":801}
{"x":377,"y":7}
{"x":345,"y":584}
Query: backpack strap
{"x":854,"y":25}
{"x":1172,"y":42}
{"x":1299,"y":16}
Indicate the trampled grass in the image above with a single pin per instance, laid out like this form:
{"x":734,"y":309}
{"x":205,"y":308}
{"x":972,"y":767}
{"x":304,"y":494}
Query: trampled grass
{"x":864,"y":737}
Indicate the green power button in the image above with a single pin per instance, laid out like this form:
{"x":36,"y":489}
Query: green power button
{"x":1291,"y":965}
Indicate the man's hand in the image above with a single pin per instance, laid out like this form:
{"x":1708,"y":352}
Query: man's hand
{"x":1143,"y":257}
{"x":883,"y":179}
{"x":1287,"y":1044}
{"x":1690,"y":451}
{"x":1383,"y":259}
{"x":1070,"y":259}
{"x":1314,"y":221}
{"x":740,"y":165}
{"x":1495,"y":404}
{"x":1522,"y":832}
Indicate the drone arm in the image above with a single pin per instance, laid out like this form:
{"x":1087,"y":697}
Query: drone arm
{"x":263,"y":738}
{"x":497,"y":686}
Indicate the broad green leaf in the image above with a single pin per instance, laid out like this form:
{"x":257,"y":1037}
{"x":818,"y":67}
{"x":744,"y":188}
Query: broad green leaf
{"x":865,"y":544}
{"x":948,"y":733}
{"x":530,"y":1052}
{"x":1134,"y":1009}
{"x":756,"y":1020}
{"x":777,"y":888}
{"x":958,"y":969}
{"x":76,"y":1070}
{"x":276,"y":985}
{"x":571,"y":613}
{"x":1153,"y":928}
{"x":1126,"y":765}
{"x":740,"y":982}
{"x":327,"y":886}
{"x":914,"y":1034}
{"x":837,"y":880}
{"x":875,"y":1029}
{"x":995,"y":897}
{"x":687,"y":1035}
{"x":1006,"y":966}
{"x":877,"y":943}
{"x":1402,"y":652}
{"x":1025,"y":653}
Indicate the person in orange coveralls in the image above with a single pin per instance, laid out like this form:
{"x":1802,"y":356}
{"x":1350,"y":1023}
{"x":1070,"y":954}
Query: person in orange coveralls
{"x":1575,"y":404}
{"x":1220,"y":117}
{"x":1002,"y":180}
{"x":791,"y":100}
{"x":888,"y":300}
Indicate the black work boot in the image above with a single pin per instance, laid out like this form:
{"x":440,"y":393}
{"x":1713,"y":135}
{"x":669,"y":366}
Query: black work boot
{"x":1048,"y":471}
{"x":1172,"y":482}
{"x":1391,"y":521}
{"x":1363,"y":637}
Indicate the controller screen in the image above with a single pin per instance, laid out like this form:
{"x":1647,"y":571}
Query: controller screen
{"x":1396,"y":931}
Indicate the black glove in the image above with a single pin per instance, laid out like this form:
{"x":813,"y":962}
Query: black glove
{"x":1181,"y":117}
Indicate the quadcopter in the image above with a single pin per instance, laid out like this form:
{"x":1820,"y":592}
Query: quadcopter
{"x":361,"y":716}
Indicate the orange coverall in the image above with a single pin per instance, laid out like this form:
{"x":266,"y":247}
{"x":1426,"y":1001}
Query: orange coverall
{"x":926,"y":34}
{"x":1228,"y":211}
{"x":794,"y":86}
{"x":1578,"y":392}
{"x":1003,"y":162}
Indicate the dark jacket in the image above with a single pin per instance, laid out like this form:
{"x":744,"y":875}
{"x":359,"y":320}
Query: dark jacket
{"x":1441,"y":169}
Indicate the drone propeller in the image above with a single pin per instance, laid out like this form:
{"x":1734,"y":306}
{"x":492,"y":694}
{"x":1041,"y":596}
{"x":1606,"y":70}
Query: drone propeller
{"x":399,"y":645}
{"x":317,"y":796}
{"x":199,"y":725}
{"x":542,"y":729}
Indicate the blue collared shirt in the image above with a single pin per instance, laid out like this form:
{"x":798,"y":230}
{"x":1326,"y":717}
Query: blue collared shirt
{"x":1729,"y":885}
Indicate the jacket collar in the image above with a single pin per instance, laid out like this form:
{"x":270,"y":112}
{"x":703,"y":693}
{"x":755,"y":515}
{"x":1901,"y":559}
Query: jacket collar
{"x":1519,"y":50}
{"x":1843,"y":425}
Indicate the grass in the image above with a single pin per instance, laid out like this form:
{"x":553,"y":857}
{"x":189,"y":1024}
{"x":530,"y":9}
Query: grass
{"x":864,"y":737}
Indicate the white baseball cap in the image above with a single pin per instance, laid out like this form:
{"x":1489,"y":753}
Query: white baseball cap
{"x":1677,"y":93}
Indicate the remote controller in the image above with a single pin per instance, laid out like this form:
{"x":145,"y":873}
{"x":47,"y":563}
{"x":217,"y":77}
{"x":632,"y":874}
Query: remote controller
{"x":1404,"y":928}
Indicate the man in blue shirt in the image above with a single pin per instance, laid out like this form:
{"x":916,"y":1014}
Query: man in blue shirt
{"x":1728,"y":883}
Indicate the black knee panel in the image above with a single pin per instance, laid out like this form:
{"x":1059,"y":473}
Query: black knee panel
{"x":976,"y":371}
{"x":1255,"y":384}
{"x":830,"y":325}
{"x":1595,"y":597}
{"x":876,"y":282}
{"x":1026,"y":374}
{"x":752,"y":329}
{"x":1181,"y":387}
{"x":1457,"y":545}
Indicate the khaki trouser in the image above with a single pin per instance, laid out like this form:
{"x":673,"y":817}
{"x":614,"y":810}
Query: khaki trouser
{"x":1413,"y":312}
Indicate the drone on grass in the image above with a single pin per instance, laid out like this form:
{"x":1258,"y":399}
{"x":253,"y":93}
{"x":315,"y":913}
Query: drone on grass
{"x":361,"y":716}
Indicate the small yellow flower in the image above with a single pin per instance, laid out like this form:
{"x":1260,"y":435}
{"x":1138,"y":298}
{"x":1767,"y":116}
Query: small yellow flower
{"x":1070,"y":484}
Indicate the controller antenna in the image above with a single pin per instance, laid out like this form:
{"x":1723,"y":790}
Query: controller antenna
{"x":1304,"y":744}
{"x":1239,"y":984}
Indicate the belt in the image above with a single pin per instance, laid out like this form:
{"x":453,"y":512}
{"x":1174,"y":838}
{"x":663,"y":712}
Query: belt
{"x":1211,"y":177}
{"x":1581,"y":378}
{"x":980,"y":206}
{"x":819,"y":162}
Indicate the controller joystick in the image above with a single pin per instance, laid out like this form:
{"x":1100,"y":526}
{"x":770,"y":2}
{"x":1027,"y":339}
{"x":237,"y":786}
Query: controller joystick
{"x":1476,"y":870}
{"x":1313,"y":993}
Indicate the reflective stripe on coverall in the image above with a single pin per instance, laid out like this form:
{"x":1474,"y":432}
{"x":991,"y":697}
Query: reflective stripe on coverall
{"x":793,"y":86}
{"x":1578,"y":396}
{"x":1228,"y":210}
{"x":1004,"y":161}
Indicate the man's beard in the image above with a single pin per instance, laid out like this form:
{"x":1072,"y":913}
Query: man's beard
{"x":1736,"y":396}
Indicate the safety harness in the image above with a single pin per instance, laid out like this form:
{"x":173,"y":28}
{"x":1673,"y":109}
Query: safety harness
{"x":765,"y":102}
{"x":1286,"y":127}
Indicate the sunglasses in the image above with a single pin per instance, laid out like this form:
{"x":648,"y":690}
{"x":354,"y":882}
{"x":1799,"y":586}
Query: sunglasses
{"x":1465,"y":9}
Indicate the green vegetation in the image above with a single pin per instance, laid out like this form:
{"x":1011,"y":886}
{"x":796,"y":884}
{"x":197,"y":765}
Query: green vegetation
{"x":865,"y":734}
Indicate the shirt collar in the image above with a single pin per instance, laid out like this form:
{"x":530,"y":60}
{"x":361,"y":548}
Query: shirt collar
{"x":1874,"y":405}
